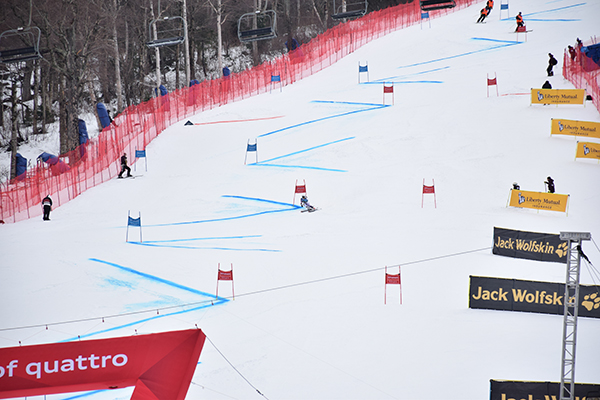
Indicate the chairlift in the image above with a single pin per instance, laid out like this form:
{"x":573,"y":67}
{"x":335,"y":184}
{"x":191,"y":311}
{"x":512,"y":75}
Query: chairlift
{"x":349,"y":10}
{"x":260,"y":25}
{"x":22,"y":44}
{"x":430,"y":5}
{"x":169,"y":32}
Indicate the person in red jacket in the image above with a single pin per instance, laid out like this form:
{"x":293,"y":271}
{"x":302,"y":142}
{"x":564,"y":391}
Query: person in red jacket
{"x":484,"y":13}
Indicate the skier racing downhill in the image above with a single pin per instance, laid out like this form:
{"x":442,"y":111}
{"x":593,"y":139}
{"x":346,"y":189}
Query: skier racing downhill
{"x":304,"y":203}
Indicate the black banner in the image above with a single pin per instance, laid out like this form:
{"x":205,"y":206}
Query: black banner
{"x":520,"y":390}
{"x":530,"y":245}
{"x":529,"y":296}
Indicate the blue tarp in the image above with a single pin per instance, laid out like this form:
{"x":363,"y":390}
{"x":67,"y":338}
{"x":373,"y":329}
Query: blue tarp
{"x":103,"y":115}
{"x":194,"y":82}
{"x":163,"y":91}
{"x":592,"y":52}
{"x":226,"y":72}
{"x":56,"y":165}
{"x":21,"y":167}
{"x":83,"y":134}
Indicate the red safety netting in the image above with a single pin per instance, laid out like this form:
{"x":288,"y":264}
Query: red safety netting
{"x":99,"y":160}
{"x":583,"y":73}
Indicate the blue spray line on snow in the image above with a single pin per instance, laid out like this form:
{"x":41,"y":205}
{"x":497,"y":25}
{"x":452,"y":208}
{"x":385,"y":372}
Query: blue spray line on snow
{"x":372,"y":107}
{"x":544,"y":12}
{"x":205,"y":238}
{"x":507,"y":43}
{"x":204,"y":247}
{"x":303,"y":151}
{"x":215,"y":301}
{"x":221,"y":219}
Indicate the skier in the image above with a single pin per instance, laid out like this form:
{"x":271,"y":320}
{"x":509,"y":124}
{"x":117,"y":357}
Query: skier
{"x":489,"y":5}
{"x":550,"y":183}
{"x":551,"y":63}
{"x":124,"y":166}
{"x":520,"y":21}
{"x":304,"y":203}
{"x":47,"y":206}
{"x":484,"y":13}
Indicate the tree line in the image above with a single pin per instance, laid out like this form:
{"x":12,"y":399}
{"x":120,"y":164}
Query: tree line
{"x":96,"y":51}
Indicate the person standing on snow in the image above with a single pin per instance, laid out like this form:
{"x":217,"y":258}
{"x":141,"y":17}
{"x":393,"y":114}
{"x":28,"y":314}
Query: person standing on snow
{"x":124,"y":166}
{"x":551,"y":63}
{"x":550,"y":183}
{"x":47,"y":206}
{"x":520,"y":21}
{"x":484,"y":13}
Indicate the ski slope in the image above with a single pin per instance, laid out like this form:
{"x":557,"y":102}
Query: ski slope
{"x":308,"y":320}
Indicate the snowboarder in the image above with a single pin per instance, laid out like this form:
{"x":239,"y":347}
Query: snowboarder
{"x":304,"y":203}
{"x":516,"y":186}
{"x":520,"y":21}
{"x":124,"y":166}
{"x":484,"y":13}
{"x":551,"y":63}
{"x":550,"y":183}
{"x":47,"y":206}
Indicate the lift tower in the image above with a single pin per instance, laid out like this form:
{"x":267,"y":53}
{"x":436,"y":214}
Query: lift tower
{"x":571,"y":299}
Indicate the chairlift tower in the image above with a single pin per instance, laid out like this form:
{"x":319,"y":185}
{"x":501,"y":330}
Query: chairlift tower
{"x":571,"y":310}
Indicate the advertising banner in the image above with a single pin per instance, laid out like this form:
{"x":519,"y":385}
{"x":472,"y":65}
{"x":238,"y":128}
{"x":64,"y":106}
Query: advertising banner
{"x":557,"y":96}
{"x":529,"y":245}
{"x":588,"y":150}
{"x":529,"y":296}
{"x":538,"y":200}
{"x":160,"y":366}
{"x":523,"y":390}
{"x":575,"y":128}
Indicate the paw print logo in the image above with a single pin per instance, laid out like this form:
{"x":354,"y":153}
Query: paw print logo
{"x":562,"y":249}
{"x":591,"y":301}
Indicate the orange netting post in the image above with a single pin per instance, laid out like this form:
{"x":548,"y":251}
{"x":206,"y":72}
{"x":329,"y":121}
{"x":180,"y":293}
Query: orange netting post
{"x":392,"y":279}
{"x":225,"y":276}
{"x":428,"y":190}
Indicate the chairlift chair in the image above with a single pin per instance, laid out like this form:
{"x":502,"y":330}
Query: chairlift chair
{"x":22,"y":44}
{"x":344,"y":9}
{"x":260,"y":25}
{"x":430,"y":5}
{"x":169,"y":31}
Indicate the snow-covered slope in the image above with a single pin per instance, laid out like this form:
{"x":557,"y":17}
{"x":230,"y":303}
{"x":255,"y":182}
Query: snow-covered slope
{"x":308,"y":320}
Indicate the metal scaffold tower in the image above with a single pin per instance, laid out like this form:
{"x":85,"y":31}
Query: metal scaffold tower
{"x":571,"y":310}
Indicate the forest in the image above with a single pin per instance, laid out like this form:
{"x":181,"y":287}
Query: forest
{"x":93,"y":51}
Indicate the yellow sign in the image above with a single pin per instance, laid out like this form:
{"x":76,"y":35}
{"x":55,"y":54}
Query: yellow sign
{"x":575,"y":128}
{"x":588,"y":150}
{"x":538,"y":200}
{"x":557,"y":96}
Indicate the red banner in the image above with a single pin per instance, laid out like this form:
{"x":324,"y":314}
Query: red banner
{"x":159,"y":365}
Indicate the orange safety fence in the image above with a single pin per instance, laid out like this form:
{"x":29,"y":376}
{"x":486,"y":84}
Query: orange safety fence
{"x":583,"y":73}
{"x":99,"y":160}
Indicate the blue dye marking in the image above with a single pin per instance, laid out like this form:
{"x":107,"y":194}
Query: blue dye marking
{"x":553,"y":20}
{"x":374,"y":107}
{"x":204,"y":248}
{"x":461,"y":55}
{"x":152,"y":277}
{"x":206,"y":238}
{"x":526,"y":17}
{"x":388,"y":79}
{"x":215,"y":301}
{"x":309,"y":149}
{"x":399,"y":82}
{"x":279,"y":203}
{"x":349,"y":103}
{"x":85,"y":394}
{"x":495,"y":40}
{"x":298,"y":167}
{"x":118,"y":282}
{"x":220,"y":219}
